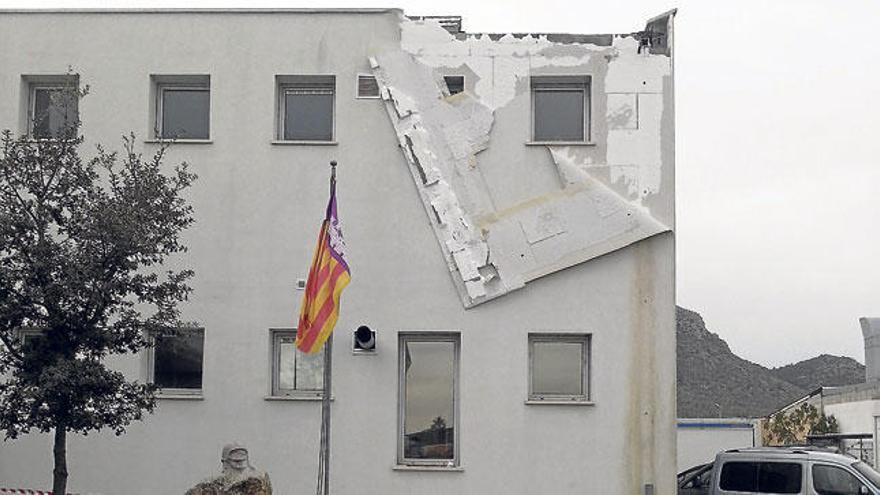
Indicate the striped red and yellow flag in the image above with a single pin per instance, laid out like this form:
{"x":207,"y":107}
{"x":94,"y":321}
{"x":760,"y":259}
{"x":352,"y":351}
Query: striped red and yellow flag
{"x":328,"y":275}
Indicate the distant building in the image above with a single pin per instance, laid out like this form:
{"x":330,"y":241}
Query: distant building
{"x":508,"y":207}
{"x":855,"y":407}
{"x":700,"y":439}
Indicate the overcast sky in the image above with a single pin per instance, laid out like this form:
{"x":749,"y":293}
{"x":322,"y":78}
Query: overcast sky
{"x":778,"y":179}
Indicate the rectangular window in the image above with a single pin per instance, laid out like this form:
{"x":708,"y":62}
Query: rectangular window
{"x":428,"y":415}
{"x":560,"y":108}
{"x":183,"y":107}
{"x":53,"y":106}
{"x":833,"y":480}
{"x":455,"y":84}
{"x":295,"y":373}
{"x":559,"y":367}
{"x":305,"y":108}
{"x":177,"y":361}
{"x":367,"y":86}
{"x":29,"y":338}
{"x":761,"y":477}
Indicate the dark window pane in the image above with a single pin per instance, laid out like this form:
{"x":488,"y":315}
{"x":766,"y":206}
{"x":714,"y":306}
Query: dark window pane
{"x":455,"y":84}
{"x":178,"y":361}
{"x":185,"y":113}
{"x":31,"y":343}
{"x":559,"y":115}
{"x":308,"y":116}
{"x":779,"y":477}
{"x":368,"y":87}
{"x":557,"y":368}
{"x":830,"y":480}
{"x":429,"y":411}
{"x":54,"y":110}
{"x":739,"y":476}
{"x":30,"y":340}
{"x":761,"y":477}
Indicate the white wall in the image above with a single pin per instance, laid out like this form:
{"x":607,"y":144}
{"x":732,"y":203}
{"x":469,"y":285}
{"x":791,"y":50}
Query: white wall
{"x":700,"y":439}
{"x":855,"y":417}
{"x":257,"y":207}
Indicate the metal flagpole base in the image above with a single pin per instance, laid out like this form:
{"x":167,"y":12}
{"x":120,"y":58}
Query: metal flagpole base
{"x":324,"y":450}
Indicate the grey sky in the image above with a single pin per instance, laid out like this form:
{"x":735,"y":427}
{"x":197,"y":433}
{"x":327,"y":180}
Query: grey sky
{"x":777,"y":169}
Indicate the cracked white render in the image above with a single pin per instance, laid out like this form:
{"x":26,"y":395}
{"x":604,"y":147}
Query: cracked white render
{"x":489,"y":251}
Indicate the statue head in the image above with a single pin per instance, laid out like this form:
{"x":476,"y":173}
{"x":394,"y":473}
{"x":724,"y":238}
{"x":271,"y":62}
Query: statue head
{"x":234,"y":458}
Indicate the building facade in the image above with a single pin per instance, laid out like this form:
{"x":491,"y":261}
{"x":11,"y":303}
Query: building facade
{"x":508,"y":209}
{"x":855,"y":407}
{"x":700,"y":439}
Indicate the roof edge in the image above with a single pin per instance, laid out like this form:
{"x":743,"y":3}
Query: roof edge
{"x":668,"y":13}
{"x":204,"y":11}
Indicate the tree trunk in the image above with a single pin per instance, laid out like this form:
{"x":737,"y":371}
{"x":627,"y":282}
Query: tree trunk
{"x":59,"y":475}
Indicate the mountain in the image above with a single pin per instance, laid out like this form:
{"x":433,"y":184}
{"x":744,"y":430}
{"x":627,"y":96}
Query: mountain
{"x":825,"y":370}
{"x":711,"y":377}
{"x":713,"y":381}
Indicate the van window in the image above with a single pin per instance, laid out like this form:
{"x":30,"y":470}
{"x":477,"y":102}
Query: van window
{"x":868,"y":472}
{"x":761,"y":477}
{"x":831,"y":480}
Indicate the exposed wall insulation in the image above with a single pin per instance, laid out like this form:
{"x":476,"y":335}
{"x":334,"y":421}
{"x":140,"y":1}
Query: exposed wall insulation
{"x":599,"y":205}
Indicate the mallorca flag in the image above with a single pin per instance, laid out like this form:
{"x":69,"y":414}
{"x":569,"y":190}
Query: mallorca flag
{"x":328,"y":275}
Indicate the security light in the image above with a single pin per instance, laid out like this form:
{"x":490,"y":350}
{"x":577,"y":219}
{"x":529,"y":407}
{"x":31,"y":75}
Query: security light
{"x":364,"y":340}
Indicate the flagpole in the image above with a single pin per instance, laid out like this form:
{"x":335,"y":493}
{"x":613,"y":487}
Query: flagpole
{"x":324,"y":455}
{"x":324,"y":460}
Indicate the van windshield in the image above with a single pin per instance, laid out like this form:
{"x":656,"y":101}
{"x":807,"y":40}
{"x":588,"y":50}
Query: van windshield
{"x":868,"y":472}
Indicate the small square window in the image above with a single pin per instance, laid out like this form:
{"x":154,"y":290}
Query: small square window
{"x":455,"y":84}
{"x":428,"y":428}
{"x":183,"y":107}
{"x":560,"y":108}
{"x":176,"y":361}
{"x":53,"y":106}
{"x":29,"y":337}
{"x":305,"y":107}
{"x":367,"y":86}
{"x":559,"y":367}
{"x":295,"y":373}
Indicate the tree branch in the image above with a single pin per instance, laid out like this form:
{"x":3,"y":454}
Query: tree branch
{"x":9,"y":348}
{"x":20,"y":199}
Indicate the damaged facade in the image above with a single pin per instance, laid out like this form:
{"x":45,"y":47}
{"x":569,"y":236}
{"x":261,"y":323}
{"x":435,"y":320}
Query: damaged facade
{"x":508,"y":205}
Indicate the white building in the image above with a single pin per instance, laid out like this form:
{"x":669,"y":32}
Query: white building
{"x":508,"y":206}
{"x":856,"y":407}
{"x":700,"y":439}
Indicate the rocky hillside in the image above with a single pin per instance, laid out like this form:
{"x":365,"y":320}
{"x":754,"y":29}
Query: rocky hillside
{"x":824,"y":370}
{"x":711,"y":377}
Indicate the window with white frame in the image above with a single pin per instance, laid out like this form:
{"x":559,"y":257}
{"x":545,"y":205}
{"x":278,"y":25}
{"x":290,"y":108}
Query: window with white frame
{"x":305,"y":107}
{"x":176,"y":361}
{"x":428,"y":411}
{"x":454,"y":84}
{"x":183,"y":107}
{"x":560,"y":108}
{"x":53,"y":106}
{"x":295,"y":373}
{"x":367,"y":87}
{"x":559,"y":367}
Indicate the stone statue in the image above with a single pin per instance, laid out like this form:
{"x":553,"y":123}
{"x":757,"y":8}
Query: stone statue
{"x":238,"y":477}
